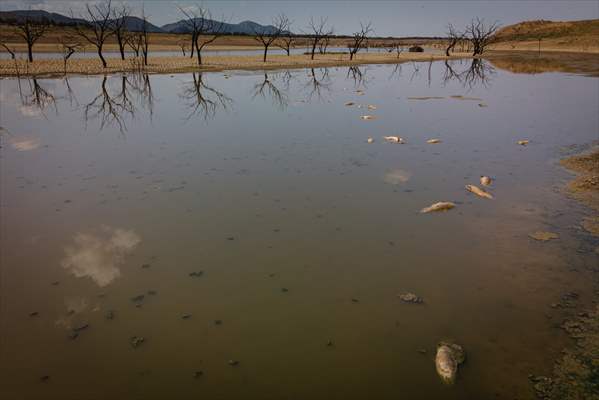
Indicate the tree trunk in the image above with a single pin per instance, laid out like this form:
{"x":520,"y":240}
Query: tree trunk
{"x":265,"y":51}
{"x":351,"y":55}
{"x":199,"y":53}
{"x":30,"y":51}
{"x":314,"y":48}
{"x":121,"y":47}
{"x":101,"y":56}
{"x":193,"y":43}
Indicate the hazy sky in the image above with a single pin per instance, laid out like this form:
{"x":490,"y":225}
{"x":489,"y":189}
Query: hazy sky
{"x":389,"y":18}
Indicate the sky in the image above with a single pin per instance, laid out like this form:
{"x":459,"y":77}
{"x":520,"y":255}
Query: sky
{"x":389,"y":18}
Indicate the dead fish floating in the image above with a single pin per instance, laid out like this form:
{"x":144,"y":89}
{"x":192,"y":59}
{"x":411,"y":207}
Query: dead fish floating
{"x":440,"y":206}
{"x":349,"y":103}
{"x":367,"y":117}
{"x":410,"y":298}
{"x":449,"y":357}
{"x":479,"y":192}
{"x":543,"y":236}
{"x":485,"y":180}
{"x":371,"y":107}
{"x":433,"y":141}
{"x":523,"y":142}
{"x":370,"y":140}
{"x":394,"y":139}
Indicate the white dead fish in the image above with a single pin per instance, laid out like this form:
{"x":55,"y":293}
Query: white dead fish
{"x":349,"y":103}
{"x":479,"y":192}
{"x":440,"y":206}
{"x":359,"y":92}
{"x":485,"y":180}
{"x":367,"y":117}
{"x":433,"y":141}
{"x":371,"y":107}
{"x":522,"y":142}
{"x":370,"y":140}
{"x":449,"y":357}
{"x":394,"y":139}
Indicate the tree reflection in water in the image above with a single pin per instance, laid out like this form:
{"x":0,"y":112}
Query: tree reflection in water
{"x":267,"y":88}
{"x":359,"y":76}
{"x":37,"y":100}
{"x":203,"y":99}
{"x":478,"y":73}
{"x":318,"y":84}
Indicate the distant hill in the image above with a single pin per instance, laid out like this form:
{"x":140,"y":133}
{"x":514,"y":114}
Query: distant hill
{"x":542,"y":29}
{"x":19,"y":16}
{"x":243,"y":28}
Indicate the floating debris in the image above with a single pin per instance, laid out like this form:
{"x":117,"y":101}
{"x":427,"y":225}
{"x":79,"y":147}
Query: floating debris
{"x":371,"y":107}
{"x":433,"y":141}
{"x":360,"y":92}
{"x":460,"y":97}
{"x":440,"y":206}
{"x":284,"y":290}
{"x":185,"y":316}
{"x":233,"y":363}
{"x":543,"y":236}
{"x":80,"y":328}
{"x":45,"y":378}
{"x":449,"y":357}
{"x":410,"y":298}
{"x":138,"y":298}
{"x":330,"y":343}
{"x":196,"y":274}
{"x":218,"y":322}
{"x":523,"y":142}
{"x":482,"y":105}
{"x":485,"y":180}
{"x":109,"y":315}
{"x":349,"y":103}
{"x":354,"y":300}
{"x":34,"y":314}
{"x":145,"y":266}
{"x":479,"y":192}
{"x":394,"y":139}
{"x":136,"y":341}
{"x":198,"y":374}
{"x":367,"y":117}
{"x":152,"y":292}
{"x":370,"y":140}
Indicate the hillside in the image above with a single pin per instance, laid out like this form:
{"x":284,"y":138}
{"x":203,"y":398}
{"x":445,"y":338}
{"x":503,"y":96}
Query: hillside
{"x":554,"y":35}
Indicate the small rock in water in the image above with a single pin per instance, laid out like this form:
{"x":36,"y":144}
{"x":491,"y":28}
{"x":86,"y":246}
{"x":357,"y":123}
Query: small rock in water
{"x":449,"y":357}
{"x":136,"y":341}
{"x":138,"y":298}
{"x":45,"y":378}
{"x":543,"y":236}
{"x":233,"y":363}
{"x":284,"y":290}
{"x":410,"y":298}
{"x":34,"y":314}
{"x":330,"y":343}
{"x":145,"y":266}
{"x":440,"y":206}
{"x":218,"y":322}
{"x":55,"y":283}
{"x":196,"y":274}
{"x":354,"y":300}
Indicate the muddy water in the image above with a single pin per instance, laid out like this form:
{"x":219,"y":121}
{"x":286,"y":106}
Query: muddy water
{"x":300,"y":233}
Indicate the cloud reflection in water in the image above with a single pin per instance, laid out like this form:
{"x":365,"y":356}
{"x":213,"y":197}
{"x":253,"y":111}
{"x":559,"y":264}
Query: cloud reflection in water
{"x":100,"y":256}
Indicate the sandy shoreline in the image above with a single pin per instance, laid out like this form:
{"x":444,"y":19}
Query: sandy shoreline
{"x":171,"y":64}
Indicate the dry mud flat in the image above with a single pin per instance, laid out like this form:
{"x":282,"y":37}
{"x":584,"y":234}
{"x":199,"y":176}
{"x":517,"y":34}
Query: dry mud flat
{"x":211,"y":63}
{"x":576,"y":374}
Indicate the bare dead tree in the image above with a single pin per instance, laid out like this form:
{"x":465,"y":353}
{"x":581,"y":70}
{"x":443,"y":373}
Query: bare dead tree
{"x":268,"y":88}
{"x":145,"y":35}
{"x":358,"y":39}
{"x":99,"y":28}
{"x":317,"y":32}
{"x":396,"y":47}
{"x":183,"y":45}
{"x":480,"y":34}
{"x":203,"y":99}
{"x":324,"y":44}
{"x":204,"y":30}
{"x":69,"y":46}
{"x":10,"y":51}
{"x":280,"y":25}
{"x":286,"y":41}
{"x":454,"y":37}
{"x":135,"y":41}
{"x":119,"y":27}
{"x":30,"y":31}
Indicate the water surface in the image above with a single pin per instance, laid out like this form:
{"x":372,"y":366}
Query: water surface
{"x":297,"y":233}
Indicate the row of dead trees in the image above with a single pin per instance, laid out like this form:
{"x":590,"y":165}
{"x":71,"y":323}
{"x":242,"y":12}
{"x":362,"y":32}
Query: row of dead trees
{"x":106,"y":21}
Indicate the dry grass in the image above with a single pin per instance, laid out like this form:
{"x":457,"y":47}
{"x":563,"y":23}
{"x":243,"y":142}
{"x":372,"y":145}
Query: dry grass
{"x":211,"y":63}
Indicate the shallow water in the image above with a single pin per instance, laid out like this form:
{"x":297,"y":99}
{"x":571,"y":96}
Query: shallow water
{"x":117,"y":187}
